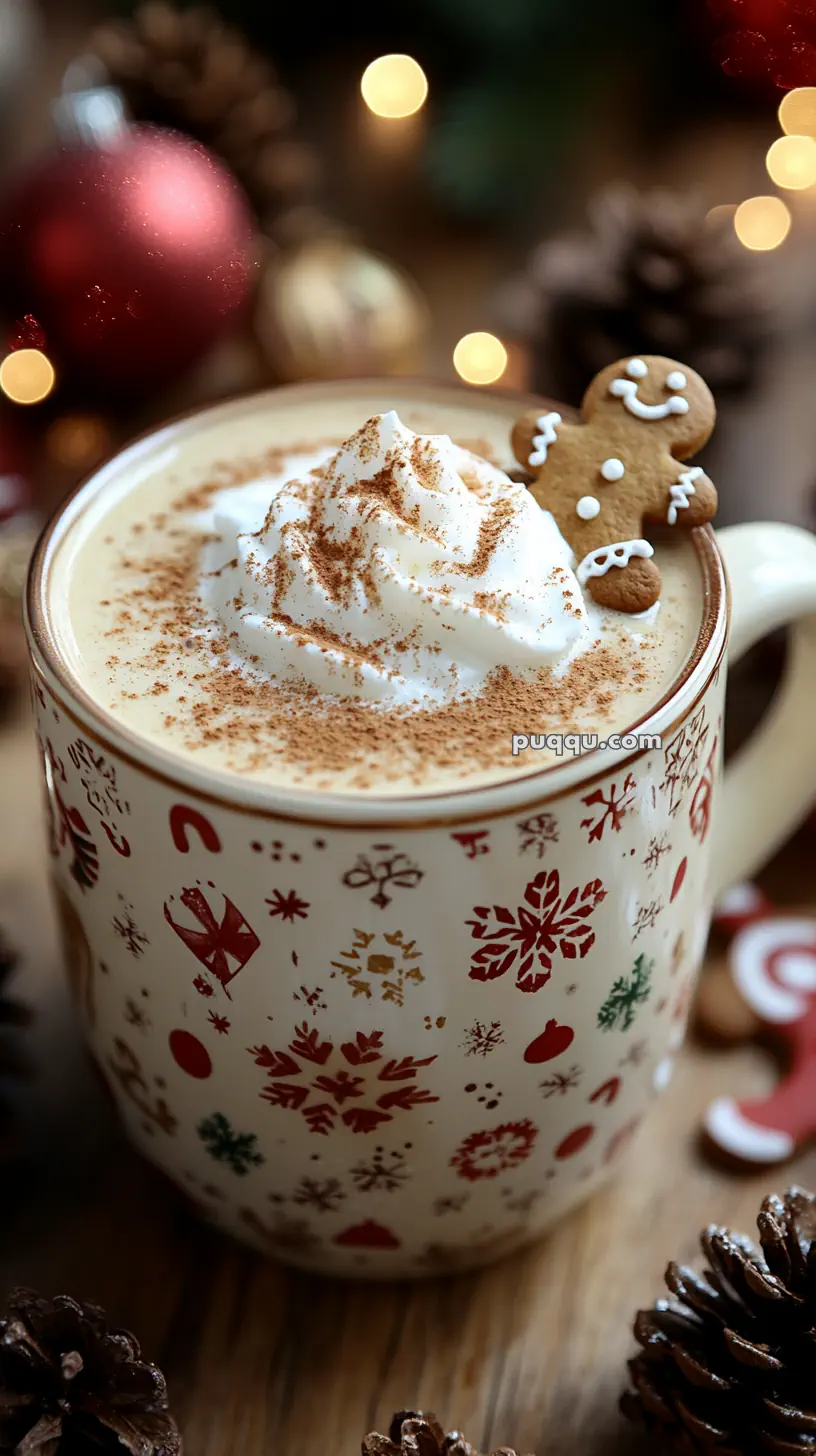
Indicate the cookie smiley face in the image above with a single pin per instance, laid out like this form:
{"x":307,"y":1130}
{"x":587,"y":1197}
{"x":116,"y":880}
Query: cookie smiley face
{"x":606,"y":479}
{"x":674,"y":401}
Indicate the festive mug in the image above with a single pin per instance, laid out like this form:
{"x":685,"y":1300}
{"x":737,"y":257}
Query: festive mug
{"x":390,"y":1037}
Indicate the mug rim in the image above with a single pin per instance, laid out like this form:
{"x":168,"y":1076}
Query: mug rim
{"x":324,"y":808}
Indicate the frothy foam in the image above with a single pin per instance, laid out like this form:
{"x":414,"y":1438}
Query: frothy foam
{"x":125,"y":599}
{"x":404,"y":569}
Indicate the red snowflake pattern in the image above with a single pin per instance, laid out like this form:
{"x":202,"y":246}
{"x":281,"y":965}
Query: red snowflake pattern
{"x":537,"y":833}
{"x":220,"y":1023}
{"x":289,"y":907}
{"x":495,"y":1150}
{"x":561,"y":1083}
{"x":682,"y":759}
{"x":612,"y":808}
{"x":531,"y":935}
{"x":98,"y":779}
{"x":321,"y":1096}
{"x":68,"y":826}
{"x":700,"y":810}
{"x":324,"y":1195}
{"x":128,"y":931}
{"x":481,"y":1039}
{"x":646,"y":917}
{"x":658,"y":847}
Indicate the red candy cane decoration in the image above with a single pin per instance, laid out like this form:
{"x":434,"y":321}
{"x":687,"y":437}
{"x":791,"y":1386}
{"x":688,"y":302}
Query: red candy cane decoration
{"x":183,"y":817}
{"x":738,"y":907}
{"x":773,"y":965}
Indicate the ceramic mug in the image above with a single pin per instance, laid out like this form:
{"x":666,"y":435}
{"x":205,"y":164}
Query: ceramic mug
{"x":389,"y":1037}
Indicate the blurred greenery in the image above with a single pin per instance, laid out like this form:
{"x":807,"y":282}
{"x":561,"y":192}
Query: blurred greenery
{"x":512,"y":81}
{"x":531,"y":69}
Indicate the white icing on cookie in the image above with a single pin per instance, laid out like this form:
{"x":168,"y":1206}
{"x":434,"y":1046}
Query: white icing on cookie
{"x":676,"y":380}
{"x":679,"y":493}
{"x":637,"y":369}
{"x":617,"y":553}
{"x":627,"y":390}
{"x":613,"y":469}
{"x":731,"y":1130}
{"x":546,"y":425}
{"x":588,"y":508}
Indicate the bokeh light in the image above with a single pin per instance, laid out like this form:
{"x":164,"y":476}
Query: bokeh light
{"x":762,"y":223}
{"x":480,"y":358}
{"x":791,"y":162}
{"x":394,"y":86}
{"x":722,"y":213}
{"x":26,"y":376}
{"x":797,"y":112}
{"x":78,"y":441}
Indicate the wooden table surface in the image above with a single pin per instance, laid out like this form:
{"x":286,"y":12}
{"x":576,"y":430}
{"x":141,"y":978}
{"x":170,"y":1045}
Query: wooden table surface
{"x":259,"y":1359}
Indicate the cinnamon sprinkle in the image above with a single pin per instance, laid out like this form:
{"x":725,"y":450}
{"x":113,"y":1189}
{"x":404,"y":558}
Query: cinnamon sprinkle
{"x":259,"y":724}
{"x":490,"y":534}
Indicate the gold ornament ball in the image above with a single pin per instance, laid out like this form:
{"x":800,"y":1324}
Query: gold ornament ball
{"x":332,"y":310}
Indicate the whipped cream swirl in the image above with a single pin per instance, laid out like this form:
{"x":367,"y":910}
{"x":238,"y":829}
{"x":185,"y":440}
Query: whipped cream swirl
{"x":404,"y":569}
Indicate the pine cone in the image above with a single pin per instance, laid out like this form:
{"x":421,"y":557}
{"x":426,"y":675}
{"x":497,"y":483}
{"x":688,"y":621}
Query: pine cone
{"x":189,"y":70}
{"x":70,"y":1386}
{"x":726,"y":1365}
{"x":414,"y":1434}
{"x":654,"y":276}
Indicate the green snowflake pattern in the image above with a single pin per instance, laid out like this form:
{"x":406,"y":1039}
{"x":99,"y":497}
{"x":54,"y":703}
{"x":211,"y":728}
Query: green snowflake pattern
{"x":237,"y":1149}
{"x":628,"y":993}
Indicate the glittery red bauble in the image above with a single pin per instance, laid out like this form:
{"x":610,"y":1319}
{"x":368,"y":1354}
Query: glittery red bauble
{"x":133,"y":257}
{"x":767,"y":41}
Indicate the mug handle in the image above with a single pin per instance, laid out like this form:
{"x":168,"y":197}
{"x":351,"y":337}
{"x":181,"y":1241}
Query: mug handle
{"x":770,"y":784}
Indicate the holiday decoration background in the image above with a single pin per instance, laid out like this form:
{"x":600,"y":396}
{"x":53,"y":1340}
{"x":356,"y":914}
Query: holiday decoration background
{"x":570,"y":185}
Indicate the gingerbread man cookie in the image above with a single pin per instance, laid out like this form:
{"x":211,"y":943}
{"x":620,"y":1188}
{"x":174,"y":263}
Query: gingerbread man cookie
{"x":621,"y":468}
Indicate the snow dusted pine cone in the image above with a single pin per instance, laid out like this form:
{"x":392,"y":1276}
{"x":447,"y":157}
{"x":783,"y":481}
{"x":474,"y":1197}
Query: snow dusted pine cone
{"x":726,"y":1365}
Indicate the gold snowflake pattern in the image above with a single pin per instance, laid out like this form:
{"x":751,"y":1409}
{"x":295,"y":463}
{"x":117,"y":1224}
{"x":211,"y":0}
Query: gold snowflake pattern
{"x":381,"y":966}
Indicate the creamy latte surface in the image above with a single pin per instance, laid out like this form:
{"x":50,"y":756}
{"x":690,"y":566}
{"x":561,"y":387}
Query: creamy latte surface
{"x":360,"y":601}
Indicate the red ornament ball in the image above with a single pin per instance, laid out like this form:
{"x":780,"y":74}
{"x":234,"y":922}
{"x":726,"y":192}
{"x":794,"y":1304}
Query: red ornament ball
{"x":766,"y":42}
{"x":133,"y":257}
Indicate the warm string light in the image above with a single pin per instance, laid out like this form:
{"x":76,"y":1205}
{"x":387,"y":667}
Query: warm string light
{"x":797,"y":112}
{"x":762,"y":223}
{"x":791,"y":162}
{"x":78,"y":441}
{"x":394,"y":86}
{"x":480,"y":358}
{"x":722,"y":213}
{"x":27,"y":376}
